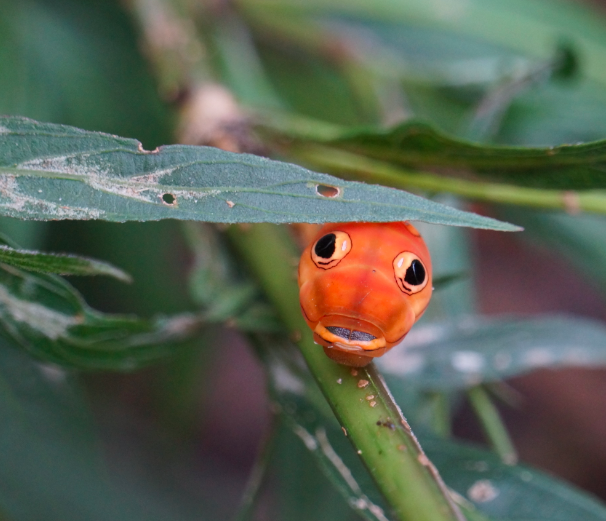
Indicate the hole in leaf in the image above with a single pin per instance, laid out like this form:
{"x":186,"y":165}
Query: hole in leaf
{"x":169,"y":199}
{"x":328,"y":191}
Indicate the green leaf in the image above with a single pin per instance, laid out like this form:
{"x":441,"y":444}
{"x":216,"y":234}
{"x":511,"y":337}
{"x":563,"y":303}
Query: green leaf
{"x":55,"y":172}
{"x":50,"y":462}
{"x":416,"y":144}
{"x":304,"y":490}
{"x":455,"y":355}
{"x":58,"y":263}
{"x":46,"y":316}
{"x":511,"y":492}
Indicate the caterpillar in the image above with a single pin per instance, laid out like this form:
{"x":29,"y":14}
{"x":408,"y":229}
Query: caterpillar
{"x":362,"y":286}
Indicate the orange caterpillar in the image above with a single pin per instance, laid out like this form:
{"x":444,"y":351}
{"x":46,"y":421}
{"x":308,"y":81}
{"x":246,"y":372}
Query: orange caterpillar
{"x":363,"y":286}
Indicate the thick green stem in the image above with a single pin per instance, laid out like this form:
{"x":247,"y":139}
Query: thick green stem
{"x":376,"y":427}
{"x":492,"y":424}
{"x":361,"y":168}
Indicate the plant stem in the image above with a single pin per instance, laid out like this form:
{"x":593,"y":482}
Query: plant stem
{"x":379,"y":432}
{"x":492,"y":424}
{"x":360,"y":168}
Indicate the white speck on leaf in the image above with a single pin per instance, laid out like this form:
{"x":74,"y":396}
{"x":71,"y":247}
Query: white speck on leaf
{"x":467,"y":361}
{"x":482,"y":491}
{"x":403,"y":362}
{"x":538,"y":357}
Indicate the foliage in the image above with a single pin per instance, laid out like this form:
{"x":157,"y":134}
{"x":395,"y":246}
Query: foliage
{"x":491,"y":101}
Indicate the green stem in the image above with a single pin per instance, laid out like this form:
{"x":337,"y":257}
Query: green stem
{"x":492,"y":424}
{"x":381,"y":435}
{"x":360,"y":168}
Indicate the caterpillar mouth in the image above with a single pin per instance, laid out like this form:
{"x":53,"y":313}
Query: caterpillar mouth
{"x":350,"y":334}
{"x":346,"y":336}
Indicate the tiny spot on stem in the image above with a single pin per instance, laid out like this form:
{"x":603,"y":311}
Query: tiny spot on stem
{"x":363,"y":383}
{"x":423,"y":460}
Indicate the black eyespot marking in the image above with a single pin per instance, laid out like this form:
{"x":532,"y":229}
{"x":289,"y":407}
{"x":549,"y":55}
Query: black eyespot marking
{"x":325,"y":247}
{"x":410,"y":273}
{"x":330,"y":249}
{"x":415,"y":274}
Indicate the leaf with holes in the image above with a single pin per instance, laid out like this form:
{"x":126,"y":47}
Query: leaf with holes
{"x":56,"y":172}
{"x":48,"y":318}
{"x":469,"y":351}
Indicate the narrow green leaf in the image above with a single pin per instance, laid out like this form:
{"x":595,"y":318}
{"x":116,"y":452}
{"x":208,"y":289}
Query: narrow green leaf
{"x":492,"y":424}
{"x":415,"y":144}
{"x":47,"y":317}
{"x":56,"y":172}
{"x":58,"y":263}
{"x":455,"y":355}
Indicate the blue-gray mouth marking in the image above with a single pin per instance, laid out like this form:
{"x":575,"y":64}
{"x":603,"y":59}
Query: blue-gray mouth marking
{"x":351,"y":334}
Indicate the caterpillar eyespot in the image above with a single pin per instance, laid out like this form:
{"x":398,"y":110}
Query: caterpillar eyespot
{"x":329,"y":249}
{"x":362,"y":287}
{"x":410,"y":273}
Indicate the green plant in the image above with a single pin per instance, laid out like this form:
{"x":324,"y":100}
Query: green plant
{"x":446,"y":101}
